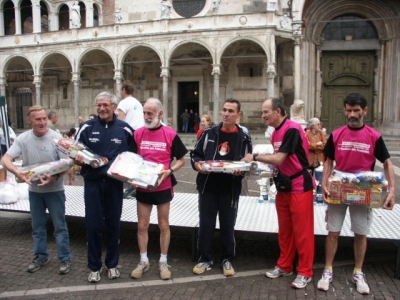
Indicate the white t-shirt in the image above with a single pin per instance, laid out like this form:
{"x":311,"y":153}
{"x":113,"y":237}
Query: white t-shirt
{"x":133,"y":110}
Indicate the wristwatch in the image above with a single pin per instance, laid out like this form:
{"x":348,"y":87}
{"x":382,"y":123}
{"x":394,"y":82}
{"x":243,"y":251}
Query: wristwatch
{"x":255,"y":156}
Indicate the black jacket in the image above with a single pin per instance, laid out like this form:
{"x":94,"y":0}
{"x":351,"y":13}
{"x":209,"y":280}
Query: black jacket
{"x":206,"y":149}
{"x":105,"y":139}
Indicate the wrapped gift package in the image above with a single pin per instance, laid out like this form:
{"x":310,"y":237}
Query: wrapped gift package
{"x":262,"y":170}
{"x":225,"y":166}
{"x":362,"y":188}
{"x":73,"y":148}
{"x":263,"y":149}
{"x":47,"y":169}
{"x":132,"y":168}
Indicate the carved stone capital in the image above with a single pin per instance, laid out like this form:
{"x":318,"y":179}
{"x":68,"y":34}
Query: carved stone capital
{"x":216,"y":70}
{"x":164,"y":72}
{"x":118,"y":74}
{"x":37,"y":80}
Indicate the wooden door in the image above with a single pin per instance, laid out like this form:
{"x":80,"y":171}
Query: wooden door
{"x":344,"y":73}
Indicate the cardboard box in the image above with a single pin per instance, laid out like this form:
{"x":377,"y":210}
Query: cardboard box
{"x":73,"y":148}
{"x":225,"y":166}
{"x":3,"y":173}
{"x":132,"y":168}
{"x":363,"y":188}
{"x":47,"y":169}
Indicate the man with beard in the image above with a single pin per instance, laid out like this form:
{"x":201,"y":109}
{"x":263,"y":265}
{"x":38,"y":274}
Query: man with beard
{"x":107,"y":136}
{"x":344,"y":147}
{"x":160,"y":144}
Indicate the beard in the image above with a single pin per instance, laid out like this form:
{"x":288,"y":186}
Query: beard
{"x":153,"y":123}
{"x":354,"y":122}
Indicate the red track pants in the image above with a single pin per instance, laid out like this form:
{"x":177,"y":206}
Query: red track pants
{"x":296,"y":231}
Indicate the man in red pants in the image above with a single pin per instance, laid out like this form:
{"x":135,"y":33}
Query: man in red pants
{"x":294,"y":200}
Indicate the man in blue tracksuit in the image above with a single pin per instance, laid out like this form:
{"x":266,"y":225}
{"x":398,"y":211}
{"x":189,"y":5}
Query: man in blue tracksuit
{"x":106,"y":136}
{"x":219,"y":192}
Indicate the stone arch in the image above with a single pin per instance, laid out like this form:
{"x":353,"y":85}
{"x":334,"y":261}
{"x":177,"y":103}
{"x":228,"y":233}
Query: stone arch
{"x":255,"y":40}
{"x":183,"y":43}
{"x":126,"y":51}
{"x":10,"y":59}
{"x":83,"y":55}
{"x":316,"y":16}
{"x":43,"y":60}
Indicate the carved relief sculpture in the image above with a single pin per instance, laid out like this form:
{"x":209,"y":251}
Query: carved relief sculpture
{"x":297,"y":112}
{"x":166,"y":9}
{"x":216,"y":4}
{"x":118,"y":16}
{"x":285,"y":22}
{"x":75,"y":15}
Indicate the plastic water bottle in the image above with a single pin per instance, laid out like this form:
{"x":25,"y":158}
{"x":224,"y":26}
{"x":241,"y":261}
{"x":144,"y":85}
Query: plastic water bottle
{"x":263,"y":194}
{"x":272,"y":193}
{"x":318,"y":176}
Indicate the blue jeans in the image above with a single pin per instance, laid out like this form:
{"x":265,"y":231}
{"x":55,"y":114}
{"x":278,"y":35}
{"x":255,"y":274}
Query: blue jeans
{"x":55,"y":203}
{"x":185,"y":126}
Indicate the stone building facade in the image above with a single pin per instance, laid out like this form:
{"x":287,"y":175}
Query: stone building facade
{"x":195,"y":53}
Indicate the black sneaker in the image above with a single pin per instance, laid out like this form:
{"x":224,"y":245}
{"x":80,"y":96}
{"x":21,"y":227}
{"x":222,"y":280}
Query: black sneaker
{"x":65,"y":267}
{"x":37,"y":262}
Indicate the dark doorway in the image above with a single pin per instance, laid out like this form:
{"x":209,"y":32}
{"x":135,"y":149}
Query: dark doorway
{"x":188,"y":98}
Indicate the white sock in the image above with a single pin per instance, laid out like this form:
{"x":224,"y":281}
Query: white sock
{"x":143,"y":257}
{"x":163,"y":257}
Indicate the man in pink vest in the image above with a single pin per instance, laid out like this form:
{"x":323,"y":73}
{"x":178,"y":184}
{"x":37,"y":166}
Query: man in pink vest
{"x":294,"y":200}
{"x":160,"y":144}
{"x":354,"y":147}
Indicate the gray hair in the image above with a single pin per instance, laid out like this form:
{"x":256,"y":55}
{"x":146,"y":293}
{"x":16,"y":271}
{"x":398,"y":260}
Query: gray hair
{"x":312,"y":122}
{"x":106,"y":95}
{"x":51,"y":115}
{"x":157,"y":103}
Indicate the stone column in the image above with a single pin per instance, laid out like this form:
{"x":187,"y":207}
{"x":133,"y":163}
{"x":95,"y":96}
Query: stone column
{"x":75,"y":79}
{"x":271,"y":73}
{"x":53,"y":21}
{"x":216,"y":72}
{"x":17,"y":12}
{"x":3,"y":84}
{"x":297,"y":33}
{"x":36,"y":18}
{"x":165,"y":78}
{"x":2,"y":31}
{"x":37,"y":81}
{"x":89,"y":14}
{"x":118,"y":79}
{"x":379,"y":81}
{"x":318,"y":82}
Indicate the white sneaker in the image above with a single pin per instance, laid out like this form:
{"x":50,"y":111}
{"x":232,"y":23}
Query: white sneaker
{"x":141,"y":268}
{"x":276,"y":272}
{"x":361,"y":283}
{"x":323,"y":283}
{"x":300,"y":282}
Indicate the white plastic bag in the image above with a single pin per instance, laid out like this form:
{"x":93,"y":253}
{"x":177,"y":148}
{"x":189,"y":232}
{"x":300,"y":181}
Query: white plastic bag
{"x":8,"y":192}
{"x":23,"y":192}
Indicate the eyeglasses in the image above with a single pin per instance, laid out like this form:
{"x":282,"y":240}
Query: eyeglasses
{"x":105,"y":105}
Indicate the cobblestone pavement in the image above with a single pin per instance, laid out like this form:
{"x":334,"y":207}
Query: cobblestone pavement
{"x":256,"y":253}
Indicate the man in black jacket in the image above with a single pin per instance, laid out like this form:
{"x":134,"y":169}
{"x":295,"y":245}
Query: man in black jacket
{"x":107,"y":136}
{"x":219,"y":192}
